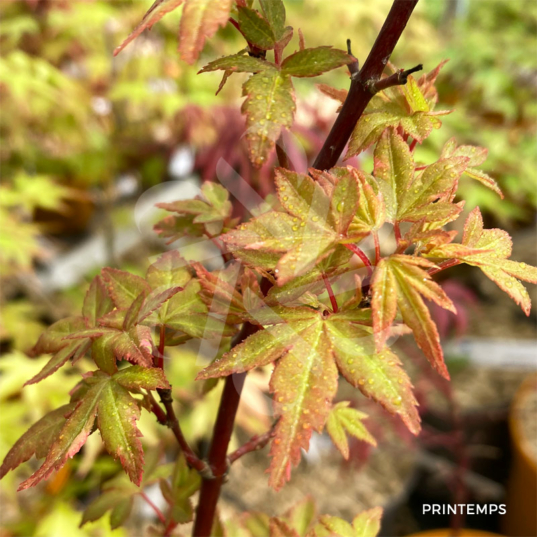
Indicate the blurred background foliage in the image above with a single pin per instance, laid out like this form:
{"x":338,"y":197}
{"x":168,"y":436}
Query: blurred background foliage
{"x":84,"y":135}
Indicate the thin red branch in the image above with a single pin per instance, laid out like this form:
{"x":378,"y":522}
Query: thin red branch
{"x":169,"y":418}
{"x":173,"y":423}
{"x":223,"y":429}
{"x":161,"y":344}
{"x":333,"y":300}
{"x":448,"y":263}
{"x":259,"y":441}
{"x":359,"y":94}
{"x":377,"y":247}
{"x":365,"y":260}
{"x":397,"y":79}
{"x":413,"y":145}
{"x":157,"y":409}
{"x":397,"y":231}
{"x":158,"y":512}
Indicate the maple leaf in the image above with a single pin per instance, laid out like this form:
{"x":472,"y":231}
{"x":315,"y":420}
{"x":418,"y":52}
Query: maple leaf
{"x":409,"y":195}
{"x":344,"y":420}
{"x":476,"y":156}
{"x":256,"y":29}
{"x":238,"y":63}
{"x":123,"y":287}
{"x":366,"y":524}
{"x":489,"y":249}
{"x":274,"y":11}
{"x":312,"y":62}
{"x":309,"y":348}
{"x":206,"y":214}
{"x":200,"y":21}
{"x":107,"y":402}
{"x":269,"y":107}
{"x":293,"y":243}
{"x":52,"y":341}
{"x":212,"y":205}
{"x":400,"y":282}
{"x":402,"y":106}
{"x":37,"y":439}
{"x":152,"y":16}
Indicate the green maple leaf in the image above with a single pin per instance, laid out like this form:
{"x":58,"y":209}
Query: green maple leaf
{"x":274,"y":11}
{"x":212,"y":205}
{"x":309,"y":348}
{"x":207,"y":214}
{"x":408,"y":194}
{"x":123,"y":287}
{"x":96,"y":304}
{"x":366,"y":524}
{"x":292,"y":244}
{"x":269,"y":107}
{"x":312,"y":62}
{"x":489,"y":249}
{"x":344,"y":420}
{"x":37,"y":440}
{"x":256,"y":29}
{"x":104,"y":401}
{"x":238,"y":63}
{"x":399,"y":282}
{"x":476,"y":156}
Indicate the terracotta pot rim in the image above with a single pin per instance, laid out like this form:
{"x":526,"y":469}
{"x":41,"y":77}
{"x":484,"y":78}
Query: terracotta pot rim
{"x":520,"y":440}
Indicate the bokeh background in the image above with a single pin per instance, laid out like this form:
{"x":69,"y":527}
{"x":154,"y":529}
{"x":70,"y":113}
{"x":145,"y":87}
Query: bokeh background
{"x":90,"y":142}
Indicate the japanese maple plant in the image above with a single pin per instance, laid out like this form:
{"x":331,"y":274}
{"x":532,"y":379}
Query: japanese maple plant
{"x":283,"y":295}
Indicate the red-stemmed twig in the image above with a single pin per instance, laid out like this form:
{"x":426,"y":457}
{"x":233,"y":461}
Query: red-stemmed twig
{"x":397,"y":79}
{"x":169,"y":417}
{"x":158,"y":512}
{"x":412,"y":145}
{"x":377,"y":247}
{"x":223,"y":429}
{"x":259,"y":441}
{"x":365,"y":260}
{"x":333,"y":300}
{"x":397,"y":232}
{"x":157,"y":409}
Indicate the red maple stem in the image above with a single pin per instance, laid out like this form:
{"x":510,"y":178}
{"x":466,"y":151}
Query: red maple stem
{"x":413,"y":145}
{"x":162,"y":418}
{"x":448,"y":263}
{"x":223,"y":429}
{"x":169,"y":417}
{"x":333,"y":300}
{"x":355,"y":250}
{"x":161,"y":344}
{"x":158,"y":512}
{"x":259,"y":441}
{"x":397,"y":232}
{"x":377,"y":247}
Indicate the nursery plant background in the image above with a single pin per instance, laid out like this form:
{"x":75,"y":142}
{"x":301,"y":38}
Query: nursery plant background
{"x":90,"y":143}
